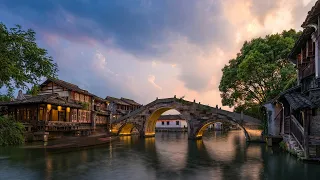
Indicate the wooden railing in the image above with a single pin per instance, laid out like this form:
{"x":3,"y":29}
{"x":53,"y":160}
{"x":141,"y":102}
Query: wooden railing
{"x":297,"y":131}
{"x":307,"y":69}
{"x":61,"y":126}
{"x":286,"y":126}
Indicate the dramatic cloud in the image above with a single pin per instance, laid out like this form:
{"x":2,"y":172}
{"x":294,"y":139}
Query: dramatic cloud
{"x":152,"y":79}
{"x":143,"y":49}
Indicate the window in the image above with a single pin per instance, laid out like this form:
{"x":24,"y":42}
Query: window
{"x":168,"y":123}
{"x":76,"y":96}
{"x":162,"y":122}
{"x":74,"y":115}
{"x":177,"y":123}
{"x":41,"y":114}
{"x":81,"y":98}
{"x":87,"y":99}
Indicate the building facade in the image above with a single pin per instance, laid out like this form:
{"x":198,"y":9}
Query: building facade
{"x":295,"y":113}
{"x":120,"y":107}
{"x":171,"y":123}
{"x":60,"y":108}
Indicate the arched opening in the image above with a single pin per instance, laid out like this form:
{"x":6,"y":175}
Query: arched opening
{"x":151,"y":123}
{"x":127,"y":129}
{"x":204,"y":127}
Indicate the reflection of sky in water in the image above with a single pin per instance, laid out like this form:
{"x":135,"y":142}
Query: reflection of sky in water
{"x":223,"y":147}
{"x":167,"y":156}
{"x":172,"y":155}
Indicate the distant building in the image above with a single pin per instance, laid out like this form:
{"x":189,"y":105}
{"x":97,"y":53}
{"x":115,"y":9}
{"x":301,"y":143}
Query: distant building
{"x":171,"y":123}
{"x":121,"y":107}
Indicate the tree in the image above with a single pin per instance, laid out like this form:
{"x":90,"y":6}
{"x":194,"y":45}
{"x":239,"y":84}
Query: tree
{"x":22,"y":62}
{"x":34,"y":90}
{"x":259,"y":72}
{"x":11,"y":132}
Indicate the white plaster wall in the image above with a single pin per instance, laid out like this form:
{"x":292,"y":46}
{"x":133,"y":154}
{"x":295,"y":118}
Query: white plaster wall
{"x":172,"y":124}
{"x":273,"y":125}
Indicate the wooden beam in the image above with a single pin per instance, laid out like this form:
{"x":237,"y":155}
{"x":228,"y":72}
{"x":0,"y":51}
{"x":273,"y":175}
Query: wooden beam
{"x":306,"y":123}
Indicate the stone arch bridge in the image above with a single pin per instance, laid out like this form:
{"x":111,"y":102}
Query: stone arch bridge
{"x":197,"y":116}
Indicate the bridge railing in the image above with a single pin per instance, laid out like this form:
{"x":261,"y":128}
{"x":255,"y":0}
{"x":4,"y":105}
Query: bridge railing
{"x":233,"y":115}
{"x":133,"y":113}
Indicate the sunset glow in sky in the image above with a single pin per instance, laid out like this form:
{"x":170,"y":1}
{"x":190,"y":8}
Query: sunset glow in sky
{"x":143,"y":49}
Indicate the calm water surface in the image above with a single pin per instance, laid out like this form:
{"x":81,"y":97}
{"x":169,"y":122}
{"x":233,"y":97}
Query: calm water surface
{"x":167,"y":156}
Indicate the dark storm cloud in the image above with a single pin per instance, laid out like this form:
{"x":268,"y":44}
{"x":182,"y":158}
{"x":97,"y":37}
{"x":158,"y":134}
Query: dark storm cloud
{"x":140,"y":27}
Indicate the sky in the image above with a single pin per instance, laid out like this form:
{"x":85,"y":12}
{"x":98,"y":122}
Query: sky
{"x":144,"y":49}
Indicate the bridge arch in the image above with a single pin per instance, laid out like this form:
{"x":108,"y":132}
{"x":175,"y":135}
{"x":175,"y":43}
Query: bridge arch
{"x":203,"y":126}
{"x":150,"y":123}
{"x":127,"y":128}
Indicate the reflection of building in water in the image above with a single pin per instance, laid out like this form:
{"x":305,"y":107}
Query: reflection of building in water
{"x":216,"y":126}
{"x":171,"y":123}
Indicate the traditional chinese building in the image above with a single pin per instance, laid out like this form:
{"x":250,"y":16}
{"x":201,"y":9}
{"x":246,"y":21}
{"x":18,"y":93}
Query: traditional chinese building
{"x":171,"y":123}
{"x":59,"y":109}
{"x":295,"y":113}
{"x":122,"y":106}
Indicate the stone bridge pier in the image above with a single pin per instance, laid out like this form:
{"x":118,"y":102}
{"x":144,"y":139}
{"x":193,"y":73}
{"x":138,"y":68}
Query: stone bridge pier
{"x":197,"y":116}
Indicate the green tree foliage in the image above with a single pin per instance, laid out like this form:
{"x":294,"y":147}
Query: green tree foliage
{"x":11,"y":132}
{"x":34,"y":90}
{"x":21,"y":60}
{"x":259,"y":72}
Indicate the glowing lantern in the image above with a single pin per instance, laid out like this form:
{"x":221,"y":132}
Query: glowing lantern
{"x":59,"y":108}
{"x":68,"y":109}
{"x":49,"y":107}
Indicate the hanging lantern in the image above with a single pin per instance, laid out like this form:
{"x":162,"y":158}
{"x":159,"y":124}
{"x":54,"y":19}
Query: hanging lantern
{"x":48,"y":107}
{"x":68,"y":109}
{"x":59,"y":108}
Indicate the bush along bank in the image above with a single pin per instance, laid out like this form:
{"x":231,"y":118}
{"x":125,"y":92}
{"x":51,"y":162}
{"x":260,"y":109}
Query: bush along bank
{"x":11,"y":132}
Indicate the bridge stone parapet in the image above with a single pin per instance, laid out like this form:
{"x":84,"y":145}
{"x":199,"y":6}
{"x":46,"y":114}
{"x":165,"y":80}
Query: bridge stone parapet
{"x":197,"y":116}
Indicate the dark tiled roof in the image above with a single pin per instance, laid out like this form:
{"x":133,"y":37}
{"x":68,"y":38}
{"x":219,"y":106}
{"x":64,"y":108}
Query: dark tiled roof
{"x":102,"y":113}
{"x":45,"y":98}
{"x":298,"y":101}
{"x":116,"y":101}
{"x":293,"y":89}
{"x":312,"y":14}
{"x":170,"y":117}
{"x":130,"y":101}
{"x":122,"y":111}
{"x":99,"y":99}
{"x":311,"y":18}
{"x":67,"y":85}
{"x":306,"y":34}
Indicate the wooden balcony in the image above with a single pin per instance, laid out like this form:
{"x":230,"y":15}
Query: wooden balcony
{"x":62,"y":126}
{"x":307,"y":69}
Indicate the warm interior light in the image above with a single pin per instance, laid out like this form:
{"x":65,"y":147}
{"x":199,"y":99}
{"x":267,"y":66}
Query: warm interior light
{"x":59,"y":108}
{"x":48,"y":107}
{"x":68,"y":109}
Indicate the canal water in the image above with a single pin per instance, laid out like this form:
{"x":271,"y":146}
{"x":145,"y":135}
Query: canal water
{"x":167,"y":156}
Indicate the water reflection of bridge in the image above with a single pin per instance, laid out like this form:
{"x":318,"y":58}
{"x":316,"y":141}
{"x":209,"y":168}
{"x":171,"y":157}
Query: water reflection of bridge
{"x":167,"y":155}
{"x":180,"y":160}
